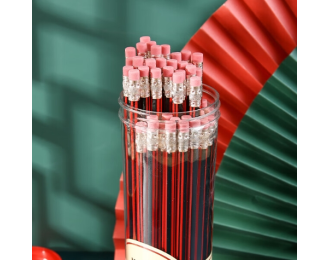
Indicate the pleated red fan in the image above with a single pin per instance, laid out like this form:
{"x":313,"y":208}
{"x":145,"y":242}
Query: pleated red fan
{"x":243,"y":44}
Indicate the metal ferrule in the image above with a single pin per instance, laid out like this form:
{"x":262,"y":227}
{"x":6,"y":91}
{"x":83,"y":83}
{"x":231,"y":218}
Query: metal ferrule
{"x":167,"y":57}
{"x":148,"y":54}
{"x":125,"y":84}
{"x":167,"y":86}
{"x":194,"y":138}
{"x":141,"y":142}
{"x":212,"y":132}
{"x":145,"y":87}
{"x":143,"y":54}
{"x":171,"y":144}
{"x":183,"y":141}
{"x":178,"y":93}
{"x":162,"y":140}
{"x":198,"y":64}
{"x":204,"y":138}
{"x":134,"y":91}
{"x":152,"y":139}
{"x":195,"y":95}
{"x":156,"y":88}
{"x":188,"y":83}
{"x":156,"y":56}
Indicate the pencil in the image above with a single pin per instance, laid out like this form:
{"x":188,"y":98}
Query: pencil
{"x":145,"y":100}
{"x":171,"y":147}
{"x":195,"y":95}
{"x":194,"y":162}
{"x":177,"y":92}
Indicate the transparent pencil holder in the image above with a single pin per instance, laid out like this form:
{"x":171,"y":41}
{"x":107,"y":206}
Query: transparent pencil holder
{"x":169,"y":172}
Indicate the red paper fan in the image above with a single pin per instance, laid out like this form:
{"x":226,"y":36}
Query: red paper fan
{"x":243,"y":43}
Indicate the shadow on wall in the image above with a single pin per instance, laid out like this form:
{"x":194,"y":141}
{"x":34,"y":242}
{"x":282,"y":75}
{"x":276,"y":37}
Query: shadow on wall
{"x":76,"y":145}
{"x":77,"y":62}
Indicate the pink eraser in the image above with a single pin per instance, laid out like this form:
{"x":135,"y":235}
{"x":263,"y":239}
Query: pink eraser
{"x":195,"y":81}
{"x":186,"y":55}
{"x":156,"y":50}
{"x":133,"y":75}
{"x":165,"y":48}
{"x":197,"y":57}
{"x":172,"y":63}
{"x":150,"y":63}
{"x":186,"y":117}
{"x":178,"y":77}
{"x":167,"y":71}
{"x":153,"y":124}
{"x":144,"y":71}
{"x":149,"y":44}
{"x":175,"y":118}
{"x":166,"y":116}
{"x":176,"y":56}
{"x":201,"y":113}
{"x":140,"y":126}
{"x":160,"y":62}
{"x":181,"y":65}
{"x":199,"y":72}
{"x":141,"y":47}
{"x":190,"y":69}
{"x":125,"y":70}
{"x":130,"y":52}
{"x":170,"y":126}
{"x":152,"y":117}
{"x":183,"y":126}
{"x":145,"y":39}
{"x":183,"y":72}
{"x":156,"y":73}
{"x":138,"y":61}
{"x":204,"y":103}
{"x":195,"y":123}
{"x":129,"y":61}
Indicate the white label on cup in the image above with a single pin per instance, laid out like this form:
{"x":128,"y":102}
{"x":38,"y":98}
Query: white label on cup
{"x":210,"y":257}
{"x":139,"y":251}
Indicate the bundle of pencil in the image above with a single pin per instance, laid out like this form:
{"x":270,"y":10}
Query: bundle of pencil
{"x":169,"y":155}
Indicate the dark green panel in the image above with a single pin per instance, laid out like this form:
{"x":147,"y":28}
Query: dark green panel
{"x":256,"y":184}
{"x":78,"y":54}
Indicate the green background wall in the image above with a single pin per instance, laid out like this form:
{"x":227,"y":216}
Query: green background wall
{"x":78,"y":53}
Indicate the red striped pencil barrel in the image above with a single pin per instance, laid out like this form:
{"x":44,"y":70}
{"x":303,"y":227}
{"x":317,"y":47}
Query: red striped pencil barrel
{"x":182,"y":146}
{"x":176,"y":190}
{"x":152,"y":154}
{"x":164,"y":190}
{"x":194,"y":162}
{"x":171,"y":147}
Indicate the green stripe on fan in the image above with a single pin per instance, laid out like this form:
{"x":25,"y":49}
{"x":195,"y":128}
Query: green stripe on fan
{"x":256,"y":185}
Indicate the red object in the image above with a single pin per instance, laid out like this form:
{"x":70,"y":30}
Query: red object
{"x":42,"y":253}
